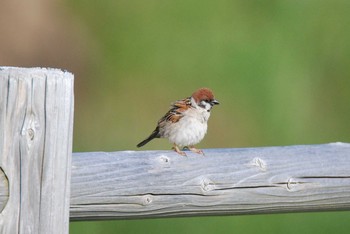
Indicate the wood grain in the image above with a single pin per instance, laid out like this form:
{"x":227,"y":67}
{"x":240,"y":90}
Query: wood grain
{"x":36,"y":123}
{"x":150,"y":184}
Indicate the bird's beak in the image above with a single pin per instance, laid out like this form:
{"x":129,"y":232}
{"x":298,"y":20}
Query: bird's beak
{"x":214,"y":102}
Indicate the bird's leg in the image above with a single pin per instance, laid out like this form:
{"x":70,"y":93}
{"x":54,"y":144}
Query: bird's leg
{"x":193,"y":149}
{"x":177,"y":150}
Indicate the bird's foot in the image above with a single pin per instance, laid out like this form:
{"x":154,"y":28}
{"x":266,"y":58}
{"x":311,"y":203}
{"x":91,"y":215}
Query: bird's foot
{"x":177,"y":150}
{"x":195,"y":150}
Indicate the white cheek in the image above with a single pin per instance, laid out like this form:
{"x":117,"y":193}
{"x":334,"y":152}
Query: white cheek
{"x":206,"y":105}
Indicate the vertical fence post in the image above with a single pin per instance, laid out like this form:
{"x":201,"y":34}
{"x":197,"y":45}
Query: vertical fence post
{"x":36,"y":126}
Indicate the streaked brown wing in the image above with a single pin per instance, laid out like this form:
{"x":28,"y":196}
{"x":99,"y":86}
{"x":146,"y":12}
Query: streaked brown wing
{"x":176,"y":111}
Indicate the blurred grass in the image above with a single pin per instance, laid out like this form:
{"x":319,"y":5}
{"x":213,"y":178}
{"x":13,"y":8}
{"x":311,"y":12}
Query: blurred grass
{"x":283,"y":223}
{"x":281,"y":70}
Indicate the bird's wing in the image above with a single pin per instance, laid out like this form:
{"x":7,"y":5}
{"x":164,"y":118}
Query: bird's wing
{"x":176,"y":111}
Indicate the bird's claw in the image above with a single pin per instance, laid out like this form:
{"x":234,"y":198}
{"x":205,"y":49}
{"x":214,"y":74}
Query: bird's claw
{"x":195,"y":150}
{"x":177,"y":150}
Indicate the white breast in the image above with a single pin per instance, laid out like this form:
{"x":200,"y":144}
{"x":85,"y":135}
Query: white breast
{"x":190,"y":129}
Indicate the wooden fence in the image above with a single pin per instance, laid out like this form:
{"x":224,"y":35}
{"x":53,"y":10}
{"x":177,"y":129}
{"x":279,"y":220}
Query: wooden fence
{"x":43,"y":185}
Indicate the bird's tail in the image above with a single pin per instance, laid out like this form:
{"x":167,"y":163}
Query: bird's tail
{"x":155,"y":134}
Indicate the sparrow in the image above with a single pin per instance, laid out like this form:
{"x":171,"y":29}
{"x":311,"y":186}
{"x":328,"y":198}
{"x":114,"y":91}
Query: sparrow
{"x":185,"y":124}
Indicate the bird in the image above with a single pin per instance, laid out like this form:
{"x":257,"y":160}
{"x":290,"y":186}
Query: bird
{"x":185,"y":124}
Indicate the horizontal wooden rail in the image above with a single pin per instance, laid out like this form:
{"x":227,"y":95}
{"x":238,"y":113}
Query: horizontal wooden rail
{"x":36,"y":123}
{"x":149,"y":184}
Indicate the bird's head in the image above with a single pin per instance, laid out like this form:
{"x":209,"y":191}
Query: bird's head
{"x":204,"y":98}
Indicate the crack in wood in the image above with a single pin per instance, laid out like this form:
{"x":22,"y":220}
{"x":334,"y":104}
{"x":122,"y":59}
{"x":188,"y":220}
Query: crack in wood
{"x":324,"y":177}
{"x":4,"y":193}
{"x":248,"y":187}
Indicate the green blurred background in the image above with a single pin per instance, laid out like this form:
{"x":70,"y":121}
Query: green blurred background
{"x":280,"y":69}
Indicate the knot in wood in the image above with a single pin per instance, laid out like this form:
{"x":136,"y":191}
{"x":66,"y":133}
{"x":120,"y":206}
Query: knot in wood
{"x":30,"y":133}
{"x":207,"y":185}
{"x":4,"y":189}
{"x":258,"y":162}
{"x":294,"y":185}
{"x":164,"y":159}
{"x":146,"y":200}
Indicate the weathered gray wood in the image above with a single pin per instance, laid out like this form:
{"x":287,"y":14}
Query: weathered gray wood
{"x":36,"y":113}
{"x":36,"y":122}
{"x":148,"y":184}
{"x":4,"y":190}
